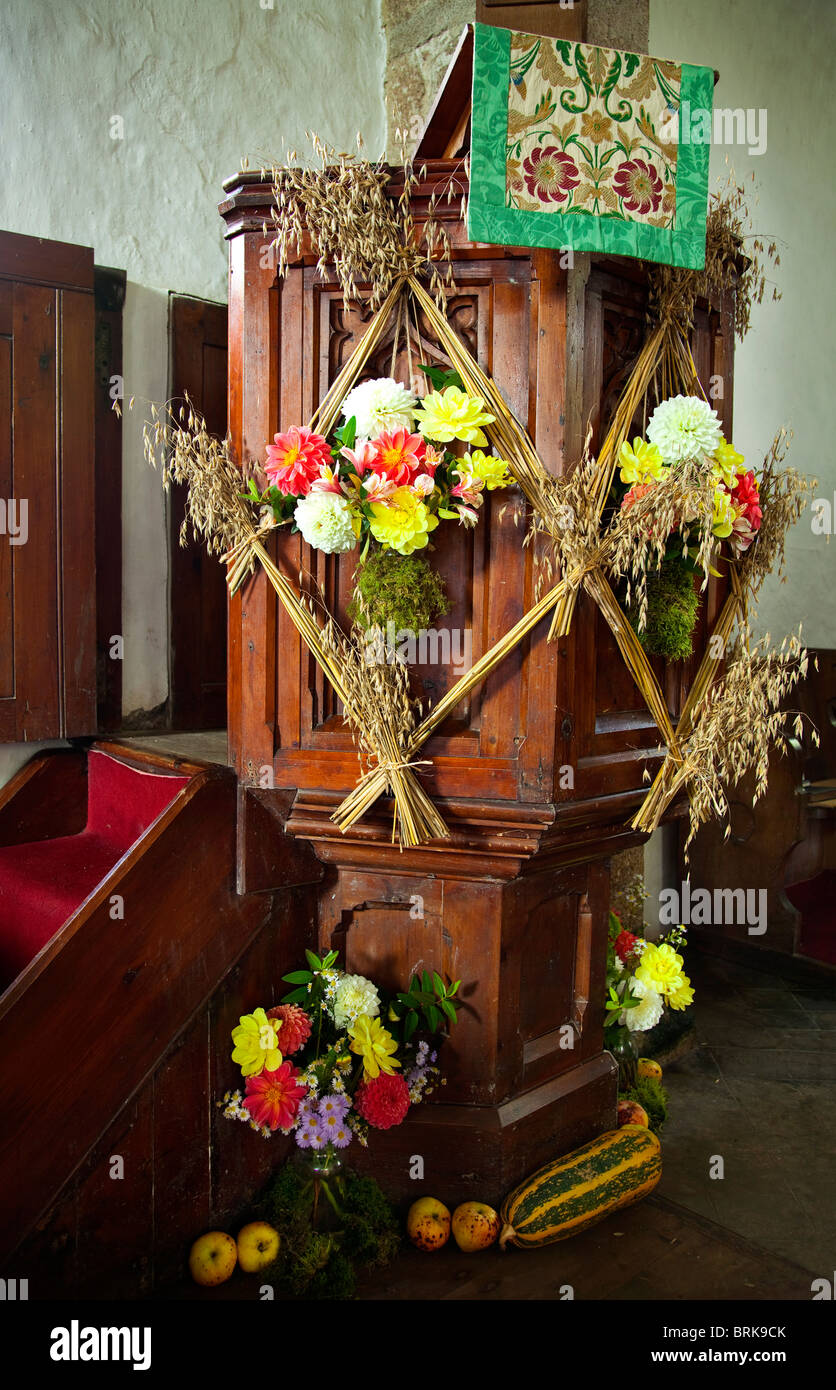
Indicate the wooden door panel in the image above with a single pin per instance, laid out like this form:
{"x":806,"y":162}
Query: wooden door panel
{"x":7,"y":665}
{"x":47,"y":461}
{"x":35,"y":564}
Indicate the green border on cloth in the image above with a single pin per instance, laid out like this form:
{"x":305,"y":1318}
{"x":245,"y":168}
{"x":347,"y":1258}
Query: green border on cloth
{"x":490,"y":220}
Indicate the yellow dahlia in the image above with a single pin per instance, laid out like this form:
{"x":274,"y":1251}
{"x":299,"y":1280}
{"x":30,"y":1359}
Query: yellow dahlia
{"x":640,"y":462}
{"x":724,"y":513}
{"x":681,"y":993}
{"x":256,"y":1044}
{"x":727,"y":463}
{"x":371,"y":1041}
{"x":493,"y":472}
{"x":660,"y":968}
{"x":402,"y":521}
{"x":453,"y":414}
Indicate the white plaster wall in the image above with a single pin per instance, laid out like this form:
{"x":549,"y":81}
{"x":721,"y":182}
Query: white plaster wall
{"x":782,"y":58}
{"x":198,"y":86}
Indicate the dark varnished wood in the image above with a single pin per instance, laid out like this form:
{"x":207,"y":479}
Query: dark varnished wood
{"x":127,"y":987}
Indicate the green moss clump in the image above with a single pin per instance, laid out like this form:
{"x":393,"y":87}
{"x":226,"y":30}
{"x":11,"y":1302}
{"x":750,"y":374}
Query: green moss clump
{"x":400,"y":589}
{"x":652,"y":1095}
{"x":315,"y":1264}
{"x":672,"y":607}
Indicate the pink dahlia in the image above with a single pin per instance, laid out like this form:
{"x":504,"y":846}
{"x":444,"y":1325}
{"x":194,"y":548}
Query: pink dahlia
{"x":638,"y":185}
{"x":398,"y":456}
{"x":549,"y":174}
{"x":383,"y":1102}
{"x":295,"y":1029}
{"x":295,"y":459}
{"x":273,"y":1097}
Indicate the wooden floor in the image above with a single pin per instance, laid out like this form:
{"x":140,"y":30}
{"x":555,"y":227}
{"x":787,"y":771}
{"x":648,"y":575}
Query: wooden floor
{"x":656,"y":1250}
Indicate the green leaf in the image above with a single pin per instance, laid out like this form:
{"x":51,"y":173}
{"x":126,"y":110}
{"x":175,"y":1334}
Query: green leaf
{"x":438,"y":985}
{"x":296,"y":996}
{"x":435,"y":1018}
{"x":409,"y":1026}
{"x":329,"y":959}
{"x":448,"y":1009}
{"x":440,"y":378}
{"x":447,"y":514}
{"x":426,"y":981}
{"x":298,"y":977}
{"x":453,"y":989}
{"x":313,"y":961}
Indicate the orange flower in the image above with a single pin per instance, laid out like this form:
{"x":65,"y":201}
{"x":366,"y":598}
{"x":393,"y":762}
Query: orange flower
{"x":273,"y":1097}
{"x":398,"y":455}
{"x":294,"y":460}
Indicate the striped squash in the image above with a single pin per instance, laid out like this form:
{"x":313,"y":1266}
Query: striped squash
{"x":581,"y":1188}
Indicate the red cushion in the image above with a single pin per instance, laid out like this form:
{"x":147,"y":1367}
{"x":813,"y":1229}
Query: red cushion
{"x":43,"y":883}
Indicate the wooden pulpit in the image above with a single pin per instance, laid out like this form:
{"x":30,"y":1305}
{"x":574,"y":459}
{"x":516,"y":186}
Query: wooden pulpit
{"x":538,"y":772}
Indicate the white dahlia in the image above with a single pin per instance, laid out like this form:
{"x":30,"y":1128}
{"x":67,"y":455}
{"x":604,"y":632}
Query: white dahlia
{"x":326,"y":522}
{"x":646,"y":1014}
{"x":355,"y":996}
{"x":684,"y":427}
{"x":382,"y":404}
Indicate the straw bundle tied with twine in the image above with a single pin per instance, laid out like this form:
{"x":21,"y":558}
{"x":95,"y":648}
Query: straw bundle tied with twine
{"x":344,"y":209}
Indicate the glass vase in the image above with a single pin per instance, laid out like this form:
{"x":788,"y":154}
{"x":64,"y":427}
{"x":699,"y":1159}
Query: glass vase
{"x":323,"y":1168}
{"x":620,"y":1044}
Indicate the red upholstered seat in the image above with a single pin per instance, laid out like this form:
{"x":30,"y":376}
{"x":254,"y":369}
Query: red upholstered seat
{"x":44,"y":882}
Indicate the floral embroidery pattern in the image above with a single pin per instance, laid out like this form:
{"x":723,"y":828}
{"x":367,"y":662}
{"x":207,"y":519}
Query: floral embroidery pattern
{"x":550,"y":175}
{"x":591,"y":131}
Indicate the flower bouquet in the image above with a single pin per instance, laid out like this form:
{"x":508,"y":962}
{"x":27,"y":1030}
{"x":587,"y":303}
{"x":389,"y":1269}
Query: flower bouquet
{"x":393,"y":469}
{"x":685,"y":455}
{"x":349,"y":1071}
{"x":643,"y":979}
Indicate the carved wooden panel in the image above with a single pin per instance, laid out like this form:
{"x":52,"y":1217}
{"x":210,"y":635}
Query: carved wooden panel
{"x":487,"y":571}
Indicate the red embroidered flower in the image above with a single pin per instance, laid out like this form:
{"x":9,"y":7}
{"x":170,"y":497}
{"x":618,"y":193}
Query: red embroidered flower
{"x":295,"y":458}
{"x":639,"y":185}
{"x":549,"y":174}
{"x":384,"y":1101}
{"x":624,"y":944}
{"x":273,"y":1097}
{"x":295,"y":1029}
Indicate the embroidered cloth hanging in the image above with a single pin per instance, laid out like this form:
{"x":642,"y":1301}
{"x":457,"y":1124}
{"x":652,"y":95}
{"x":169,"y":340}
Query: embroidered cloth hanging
{"x":585,"y":147}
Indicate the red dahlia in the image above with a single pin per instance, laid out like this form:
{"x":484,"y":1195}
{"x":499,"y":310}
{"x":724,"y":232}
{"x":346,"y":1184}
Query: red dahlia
{"x":295,"y":1029}
{"x":383,"y":1102}
{"x":624,"y":944}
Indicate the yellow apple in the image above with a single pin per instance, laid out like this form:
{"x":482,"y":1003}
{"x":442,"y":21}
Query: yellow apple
{"x":475,"y":1226}
{"x":258,"y":1246}
{"x":213,"y":1258}
{"x":646,"y":1066}
{"x":428,"y":1223}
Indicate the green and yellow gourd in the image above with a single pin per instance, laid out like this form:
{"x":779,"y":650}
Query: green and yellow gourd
{"x":582,"y":1187}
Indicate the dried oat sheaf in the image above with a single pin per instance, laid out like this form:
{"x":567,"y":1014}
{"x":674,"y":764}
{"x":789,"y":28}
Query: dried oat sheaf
{"x":363,"y":238}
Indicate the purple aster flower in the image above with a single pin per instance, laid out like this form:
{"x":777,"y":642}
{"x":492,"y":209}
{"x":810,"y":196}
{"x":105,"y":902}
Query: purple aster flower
{"x":308,"y":1107}
{"x":334,"y":1104}
{"x":309,"y":1134}
{"x":341,"y":1138}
